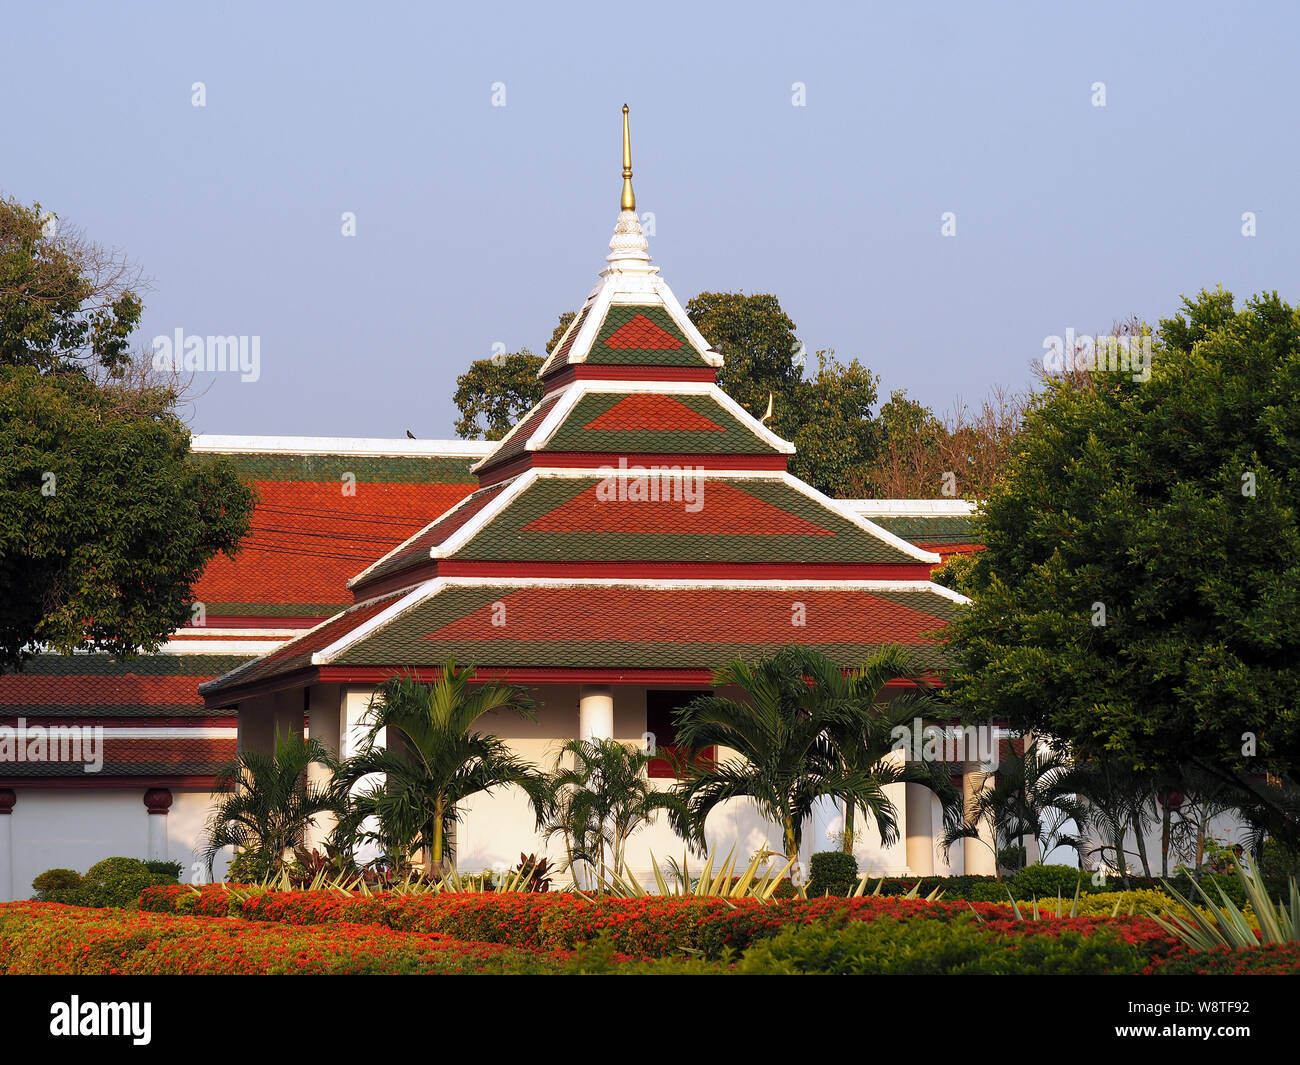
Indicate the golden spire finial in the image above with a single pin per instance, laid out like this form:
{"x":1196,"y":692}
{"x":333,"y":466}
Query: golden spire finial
{"x":628,"y":202}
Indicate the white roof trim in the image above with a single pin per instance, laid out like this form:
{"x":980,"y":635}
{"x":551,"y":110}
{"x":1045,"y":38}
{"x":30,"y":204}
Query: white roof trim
{"x":303,"y":634}
{"x":339,"y":445}
{"x":576,"y":390}
{"x":360,"y":577}
{"x":867,"y":526}
{"x":223,"y":647}
{"x":670,"y":584}
{"x":496,"y":445}
{"x":471,"y":528}
{"x":405,"y":602}
{"x":911,"y":508}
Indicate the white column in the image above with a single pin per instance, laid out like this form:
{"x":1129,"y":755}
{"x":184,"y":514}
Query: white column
{"x":595,"y":712}
{"x":920,"y":830}
{"x":158,"y":801}
{"x":7,"y":801}
{"x":895,"y":855}
{"x":355,"y":725}
{"x":325,"y":713}
{"x":979,"y":856}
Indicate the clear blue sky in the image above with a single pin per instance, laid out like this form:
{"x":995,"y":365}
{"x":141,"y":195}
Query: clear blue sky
{"x":479,"y":224}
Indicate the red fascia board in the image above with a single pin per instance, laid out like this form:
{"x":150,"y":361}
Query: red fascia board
{"x":584,"y":371}
{"x":918,"y":571}
{"x":143,"y":782}
{"x":430,"y":568}
{"x":102,"y":721}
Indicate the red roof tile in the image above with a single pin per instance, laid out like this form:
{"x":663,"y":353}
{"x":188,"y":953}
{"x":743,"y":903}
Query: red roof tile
{"x":646,"y":411}
{"x":641,"y":334}
{"x":724,"y":510}
{"x":691,"y":615}
{"x":308,"y":539}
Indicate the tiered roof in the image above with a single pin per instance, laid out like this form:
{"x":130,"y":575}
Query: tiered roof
{"x":636,"y":522}
{"x":306,"y":538}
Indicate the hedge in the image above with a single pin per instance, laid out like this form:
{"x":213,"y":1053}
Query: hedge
{"x":47,"y":938}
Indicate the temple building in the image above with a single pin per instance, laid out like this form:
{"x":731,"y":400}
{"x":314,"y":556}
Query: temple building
{"x":636,"y":530}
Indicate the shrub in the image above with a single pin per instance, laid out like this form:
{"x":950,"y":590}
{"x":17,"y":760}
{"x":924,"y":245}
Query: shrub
{"x":162,"y":867}
{"x":1048,"y":881}
{"x":1269,"y":959}
{"x":115,"y":882}
{"x":1278,"y":866}
{"x":56,"y":880}
{"x":832,"y":872}
{"x":923,"y":945}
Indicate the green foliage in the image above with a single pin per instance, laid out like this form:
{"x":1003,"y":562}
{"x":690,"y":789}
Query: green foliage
{"x":163,"y":867}
{"x":1171,"y":503}
{"x":919,"y":945}
{"x":493,"y":394}
{"x":828,"y":416}
{"x":1044,"y":881}
{"x":1222,"y":923}
{"x":1278,"y":866}
{"x":831,"y":872}
{"x":56,"y":880}
{"x":803,"y":731}
{"x":434,"y":759}
{"x":598,"y":795}
{"x":64,"y":303}
{"x":115,"y":882}
{"x":104,"y":522}
{"x":267,"y":804}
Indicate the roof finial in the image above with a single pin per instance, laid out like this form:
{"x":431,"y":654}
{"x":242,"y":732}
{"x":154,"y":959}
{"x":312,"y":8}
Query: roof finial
{"x":628,"y":203}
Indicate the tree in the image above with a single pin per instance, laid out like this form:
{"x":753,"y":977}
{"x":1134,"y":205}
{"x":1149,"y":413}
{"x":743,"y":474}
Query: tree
{"x":268,"y":804}
{"x":961,"y":454}
{"x":602,"y":799}
{"x":867,"y":743}
{"x":756,"y":339}
{"x":1139,"y":592}
{"x":432,"y":760}
{"x":493,"y":394}
{"x":105,"y":521}
{"x":1030,"y":795}
{"x":828,"y":418}
{"x":1117,"y":799}
{"x":65,"y":302}
{"x":784,"y":728}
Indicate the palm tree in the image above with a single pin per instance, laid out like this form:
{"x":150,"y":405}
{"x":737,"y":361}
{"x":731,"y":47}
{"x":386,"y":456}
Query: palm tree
{"x":867,"y":741}
{"x":269,"y":804}
{"x":1031,"y":795}
{"x":784,"y":729}
{"x":433,"y":761}
{"x":1118,"y":799}
{"x":604,"y":797}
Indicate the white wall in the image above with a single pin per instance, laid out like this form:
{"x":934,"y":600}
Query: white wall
{"x":75,"y":828}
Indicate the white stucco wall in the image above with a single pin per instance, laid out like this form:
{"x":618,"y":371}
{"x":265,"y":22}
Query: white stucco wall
{"x":75,"y":828}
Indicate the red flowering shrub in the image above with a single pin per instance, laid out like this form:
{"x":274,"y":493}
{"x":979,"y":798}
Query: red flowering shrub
{"x":660,"y":927}
{"x":1271,"y":959}
{"x":48,"y":938}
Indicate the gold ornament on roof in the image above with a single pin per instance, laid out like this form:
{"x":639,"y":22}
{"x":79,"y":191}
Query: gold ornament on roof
{"x":628,"y":202}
